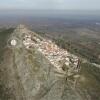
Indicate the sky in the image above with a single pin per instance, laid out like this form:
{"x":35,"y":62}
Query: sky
{"x":51,"y":4}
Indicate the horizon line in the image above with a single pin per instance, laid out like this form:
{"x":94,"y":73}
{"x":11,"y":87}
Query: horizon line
{"x":52,"y":9}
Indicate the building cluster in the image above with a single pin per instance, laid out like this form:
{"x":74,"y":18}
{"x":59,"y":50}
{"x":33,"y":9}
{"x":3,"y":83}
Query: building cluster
{"x":57,"y":56}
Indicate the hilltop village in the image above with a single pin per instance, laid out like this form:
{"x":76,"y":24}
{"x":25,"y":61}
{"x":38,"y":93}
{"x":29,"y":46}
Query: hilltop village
{"x":56,"y":55}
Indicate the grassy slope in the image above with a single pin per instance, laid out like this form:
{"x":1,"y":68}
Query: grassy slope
{"x":4,"y":33}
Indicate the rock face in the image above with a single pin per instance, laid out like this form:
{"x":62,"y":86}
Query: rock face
{"x":30,"y":75}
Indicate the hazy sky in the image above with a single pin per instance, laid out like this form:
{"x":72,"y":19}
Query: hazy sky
{"x":50,"y":4}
